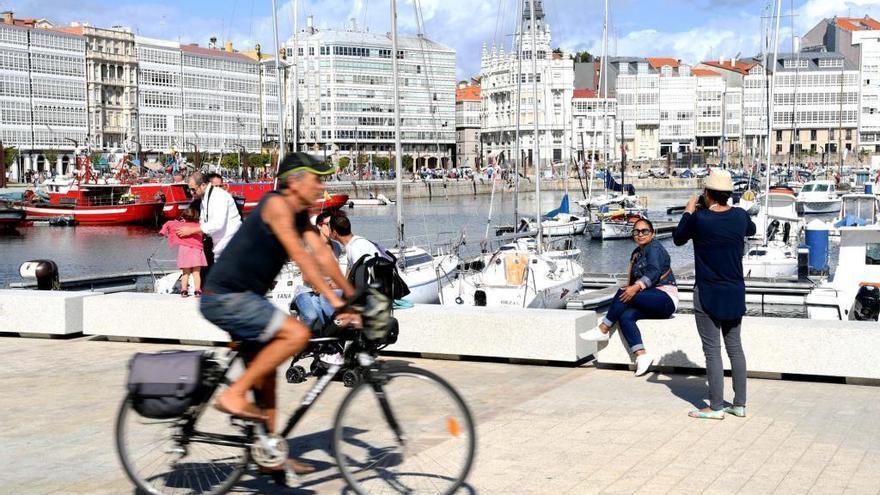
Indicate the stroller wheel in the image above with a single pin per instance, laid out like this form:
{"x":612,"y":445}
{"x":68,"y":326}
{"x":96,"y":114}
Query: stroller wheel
{"x":295,"y":374}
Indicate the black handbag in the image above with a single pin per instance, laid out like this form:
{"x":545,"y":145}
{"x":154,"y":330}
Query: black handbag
{"x":166,"y":384}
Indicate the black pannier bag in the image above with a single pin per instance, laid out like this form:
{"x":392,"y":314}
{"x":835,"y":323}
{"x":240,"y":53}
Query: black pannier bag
{"x":166,"y":384}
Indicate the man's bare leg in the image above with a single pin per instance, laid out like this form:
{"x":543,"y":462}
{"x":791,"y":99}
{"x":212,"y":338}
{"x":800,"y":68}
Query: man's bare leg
{"x":266,"y":391}
{"x":289,"y":341}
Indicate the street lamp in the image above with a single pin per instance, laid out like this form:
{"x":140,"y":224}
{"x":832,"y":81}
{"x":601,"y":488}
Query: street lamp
{"x":244,"y":170}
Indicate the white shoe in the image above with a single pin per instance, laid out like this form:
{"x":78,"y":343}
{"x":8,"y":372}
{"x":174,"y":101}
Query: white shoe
{"x":643,"y":362}
{"x":595,"y":334}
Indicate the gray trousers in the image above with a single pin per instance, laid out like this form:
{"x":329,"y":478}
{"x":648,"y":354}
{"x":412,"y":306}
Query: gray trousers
{"x":710,"y":334}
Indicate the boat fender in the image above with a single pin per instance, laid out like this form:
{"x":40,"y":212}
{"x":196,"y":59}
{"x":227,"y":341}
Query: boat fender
{"x":459,"y":300}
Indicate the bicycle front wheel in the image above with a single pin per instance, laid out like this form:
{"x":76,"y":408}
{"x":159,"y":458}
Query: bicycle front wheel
{"x":165,"y":456}
{"x":405,"y":430}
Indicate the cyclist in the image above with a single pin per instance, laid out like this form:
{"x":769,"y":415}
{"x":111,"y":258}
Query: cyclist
{"x":234,"y":295}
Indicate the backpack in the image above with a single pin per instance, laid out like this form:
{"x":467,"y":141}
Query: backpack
{"x":166,"y":384}
{"x":379,"y":272}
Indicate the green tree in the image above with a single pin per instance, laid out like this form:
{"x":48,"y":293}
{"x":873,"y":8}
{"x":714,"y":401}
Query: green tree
{"x":260,"y":160}
{"x":583,"y":57}
{"x":229,"y":160}
{"x":381,"y":162}
{"x":407,"y":162}
{"x":343,"y":162}
{"x":51,"y":158}
{"x":95,"y":158}
{"x":11,"y":155}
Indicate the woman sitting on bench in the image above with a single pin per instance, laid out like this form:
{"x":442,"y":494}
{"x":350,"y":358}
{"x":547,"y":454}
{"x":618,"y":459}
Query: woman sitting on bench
{"x":651,"y":293}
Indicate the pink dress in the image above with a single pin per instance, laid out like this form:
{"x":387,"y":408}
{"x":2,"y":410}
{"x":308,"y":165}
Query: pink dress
{"x":190,"y":251}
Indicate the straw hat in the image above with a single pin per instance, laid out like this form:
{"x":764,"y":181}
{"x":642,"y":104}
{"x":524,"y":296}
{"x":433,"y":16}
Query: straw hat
{"x":718,"y":180}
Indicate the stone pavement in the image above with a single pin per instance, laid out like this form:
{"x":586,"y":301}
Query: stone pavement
{"x":541,"y":430}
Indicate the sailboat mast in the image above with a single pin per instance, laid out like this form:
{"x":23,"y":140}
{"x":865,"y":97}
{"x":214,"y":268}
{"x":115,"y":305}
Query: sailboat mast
{"x":280,"y":79}
{"x":536,"y":158}
{"x":770,"y":95}
{"x":517,"y":158}
{"x":603,"y":66}
{"x":398,"y":162}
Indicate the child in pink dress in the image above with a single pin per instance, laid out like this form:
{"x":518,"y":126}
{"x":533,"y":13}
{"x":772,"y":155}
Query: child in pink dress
{"x":190,"y":251}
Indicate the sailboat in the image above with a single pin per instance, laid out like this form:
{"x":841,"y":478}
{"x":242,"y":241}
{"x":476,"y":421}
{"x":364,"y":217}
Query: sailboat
{"x":519,"y":275}
{"x":771,"y":256}
{"x":560,"y":222}
{"x":423,"y":272}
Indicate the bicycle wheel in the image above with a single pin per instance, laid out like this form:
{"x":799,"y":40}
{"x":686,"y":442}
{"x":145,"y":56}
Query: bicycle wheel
{"x":161,"y":459}
{"x":409,"y":433}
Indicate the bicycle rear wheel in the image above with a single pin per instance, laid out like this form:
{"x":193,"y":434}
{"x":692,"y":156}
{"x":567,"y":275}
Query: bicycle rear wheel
{"x":407,"y":432}
{"x":163,"y":457}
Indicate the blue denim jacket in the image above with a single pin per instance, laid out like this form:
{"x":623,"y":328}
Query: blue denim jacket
{"x":649,"y":264}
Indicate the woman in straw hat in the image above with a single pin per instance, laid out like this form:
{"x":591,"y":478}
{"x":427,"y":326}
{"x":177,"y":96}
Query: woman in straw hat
{"x":718,"y":232}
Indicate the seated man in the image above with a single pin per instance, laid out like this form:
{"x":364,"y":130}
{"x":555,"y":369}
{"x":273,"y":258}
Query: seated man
{"x":234,"y":294}
{"x":311,"y":305}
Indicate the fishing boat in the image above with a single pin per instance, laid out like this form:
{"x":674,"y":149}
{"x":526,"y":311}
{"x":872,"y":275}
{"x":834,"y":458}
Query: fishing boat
{"x":95,"y":205}
{"x":253,"y":192}
{"x":818,"y":196}
{"x":176,"y":197}
{"x":10,"y":216}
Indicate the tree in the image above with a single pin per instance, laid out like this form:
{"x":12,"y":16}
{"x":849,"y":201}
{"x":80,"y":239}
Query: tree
{"x":95,"y":158}
{"x":381,"y":162}
{"x":343,"y":162}
{"x":583,"y":57}
{"x":51,"y":158}
{"x":229,"y":160}
{"x":407,"y":162}
{"x":260,"y":160}
{"x":11,"y":156}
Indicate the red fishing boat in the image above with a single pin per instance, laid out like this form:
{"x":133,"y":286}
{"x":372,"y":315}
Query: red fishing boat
{"x":90,"y":203}
{"x":176,"y":197}
{"x":253,"y":192}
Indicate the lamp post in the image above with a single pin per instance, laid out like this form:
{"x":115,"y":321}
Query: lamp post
{"x":198,"y":157}
{"x":244,"y":170}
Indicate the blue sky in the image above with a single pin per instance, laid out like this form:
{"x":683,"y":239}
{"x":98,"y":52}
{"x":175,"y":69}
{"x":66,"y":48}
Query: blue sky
{"x":691,"y":30}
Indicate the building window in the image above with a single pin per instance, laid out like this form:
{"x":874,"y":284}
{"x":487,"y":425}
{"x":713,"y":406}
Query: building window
{"x":848,"y":134}
{"x":813,"y":135}
{"x":779,"y":135}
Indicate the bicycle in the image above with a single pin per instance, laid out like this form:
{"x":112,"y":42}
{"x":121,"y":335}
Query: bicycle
{"x":377,"y":445}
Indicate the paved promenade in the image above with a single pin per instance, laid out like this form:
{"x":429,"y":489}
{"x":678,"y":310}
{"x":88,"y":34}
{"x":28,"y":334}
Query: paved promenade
{"x":541,"y":430}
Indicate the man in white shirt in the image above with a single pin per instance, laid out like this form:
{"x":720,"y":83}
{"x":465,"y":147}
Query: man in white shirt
{"x":356,"y":247}
{"x":219,"y":216}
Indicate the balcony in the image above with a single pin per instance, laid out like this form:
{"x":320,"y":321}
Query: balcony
{"x":111,"y":57}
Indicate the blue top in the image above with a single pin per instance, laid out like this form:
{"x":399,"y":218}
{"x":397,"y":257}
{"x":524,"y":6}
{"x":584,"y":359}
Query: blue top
{"x":719,"y":239}
{"x":649,"y":264}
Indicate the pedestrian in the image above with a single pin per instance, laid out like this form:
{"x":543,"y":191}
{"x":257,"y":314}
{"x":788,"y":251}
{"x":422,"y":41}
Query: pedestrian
{"x":718,"y":233}
{"x":218,"y":217}
{"x":651,"y":293}
{"x":190,"y":251}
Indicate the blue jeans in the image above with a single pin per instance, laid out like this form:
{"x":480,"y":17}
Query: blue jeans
{"x":314,"y":307}
{"x":650,"y":303}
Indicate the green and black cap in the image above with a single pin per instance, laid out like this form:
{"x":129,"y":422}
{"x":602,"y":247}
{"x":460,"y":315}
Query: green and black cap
{"x":303,"y":162}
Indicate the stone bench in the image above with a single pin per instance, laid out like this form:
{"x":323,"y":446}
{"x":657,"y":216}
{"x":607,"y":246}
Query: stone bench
{"x":42,"y":313}
{"x":773,"y":346}
{"x":520,"y":334}
{"x":138,"y":315}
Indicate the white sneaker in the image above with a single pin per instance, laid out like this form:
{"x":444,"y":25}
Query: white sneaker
{"x":643,"y":362}
{"x":595,"y":334}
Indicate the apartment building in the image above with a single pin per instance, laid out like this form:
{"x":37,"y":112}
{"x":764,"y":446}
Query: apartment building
{"x":345,"y":96}
{"x":503,"y":78}
{"x":593,"y":126}
{"x":467,"y":125}
{"x":43,"y":105}
{"x":637,"y":90}
{"x":111,"y":75}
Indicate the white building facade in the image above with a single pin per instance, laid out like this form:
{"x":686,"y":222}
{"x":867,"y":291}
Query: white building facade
{"x":677,"y":99}
{"x":467,"y":125}
{"x":43,"y":98}
{"x":869,"y":88}
{"x":345,"y":95}
{"x":551,"y":105}
{"x":593,"y":120}
{"x":638,"y":107}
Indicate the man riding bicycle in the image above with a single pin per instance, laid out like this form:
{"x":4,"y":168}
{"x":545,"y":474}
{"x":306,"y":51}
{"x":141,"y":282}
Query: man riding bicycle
{"x":234,"y":295}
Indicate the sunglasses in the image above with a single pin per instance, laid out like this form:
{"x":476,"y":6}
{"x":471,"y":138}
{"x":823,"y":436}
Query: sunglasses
{"x":192,"y":189}
{"x":638,"y":232}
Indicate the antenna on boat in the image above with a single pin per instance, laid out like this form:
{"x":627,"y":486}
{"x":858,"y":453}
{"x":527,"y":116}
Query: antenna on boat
{"x":280,"y":79}
{"x":536,"y":155}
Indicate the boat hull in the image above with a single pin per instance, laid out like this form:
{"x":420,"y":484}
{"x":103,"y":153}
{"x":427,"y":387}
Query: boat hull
{"x":819,"y":207}
{"x":99,"y":215}
{"x":10,"y":218}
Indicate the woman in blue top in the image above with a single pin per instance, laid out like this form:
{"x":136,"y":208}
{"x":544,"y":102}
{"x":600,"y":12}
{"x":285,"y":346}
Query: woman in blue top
{"x":650,"y":293}
{"x":718,"y":232}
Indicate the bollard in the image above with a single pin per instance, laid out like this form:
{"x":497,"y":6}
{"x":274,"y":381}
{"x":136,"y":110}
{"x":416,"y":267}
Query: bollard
{"x":44,"y":271}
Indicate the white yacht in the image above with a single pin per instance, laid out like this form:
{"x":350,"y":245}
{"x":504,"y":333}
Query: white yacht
{"x":853,"y":293}
{"x":773,"y":251}
{"x":818,"y":196}
{"x":516,"y":278}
